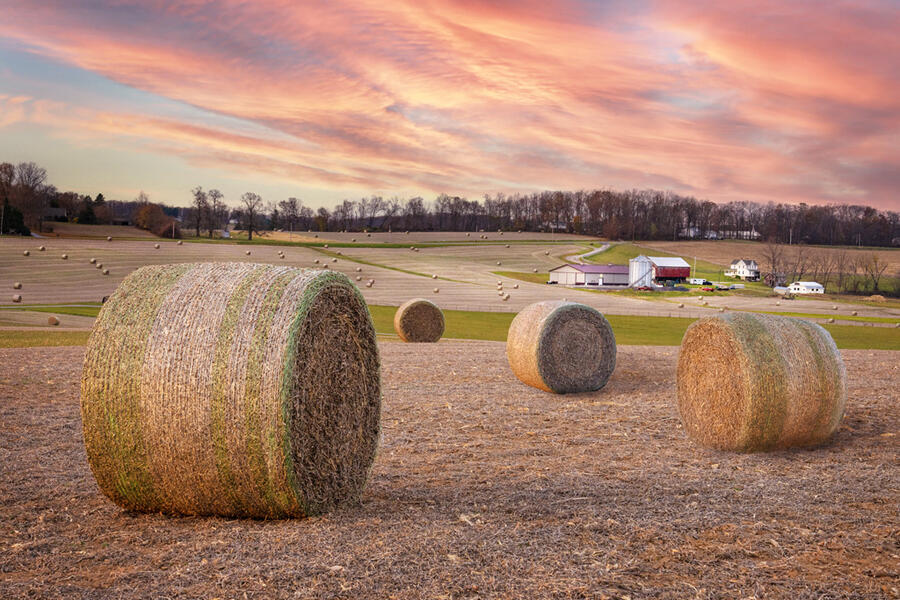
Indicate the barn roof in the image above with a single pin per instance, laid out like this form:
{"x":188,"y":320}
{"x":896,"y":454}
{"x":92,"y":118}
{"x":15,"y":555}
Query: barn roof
{"x":608,"y":269}
{"x":668,"y":261}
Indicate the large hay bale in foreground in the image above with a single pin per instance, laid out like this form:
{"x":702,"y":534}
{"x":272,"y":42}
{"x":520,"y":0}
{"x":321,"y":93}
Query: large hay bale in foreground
{"x":232,"y":389}
{"x":561,"y":347}
{"x":750,"y":382}
{"x":419,"y":320}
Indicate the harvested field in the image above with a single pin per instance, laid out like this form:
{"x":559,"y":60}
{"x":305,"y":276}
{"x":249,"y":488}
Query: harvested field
{"x":479,"y":492}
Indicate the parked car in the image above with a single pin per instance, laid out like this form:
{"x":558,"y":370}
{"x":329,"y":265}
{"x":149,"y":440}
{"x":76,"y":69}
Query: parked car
{"x":644,"y":288}
{"x":708,"y":289}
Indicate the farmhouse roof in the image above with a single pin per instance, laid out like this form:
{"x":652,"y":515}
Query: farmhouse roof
{"x":807,"y":283}
{"x":608,"y":269}
{"x":746,"y":261}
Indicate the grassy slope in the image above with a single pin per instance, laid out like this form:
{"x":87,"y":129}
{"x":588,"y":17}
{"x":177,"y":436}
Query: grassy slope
{"x":629,"y":330}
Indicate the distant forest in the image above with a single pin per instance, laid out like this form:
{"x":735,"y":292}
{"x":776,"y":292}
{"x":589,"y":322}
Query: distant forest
{"x":28,"y":201}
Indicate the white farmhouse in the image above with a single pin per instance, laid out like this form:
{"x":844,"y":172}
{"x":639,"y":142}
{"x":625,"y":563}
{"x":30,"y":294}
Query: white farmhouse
{"x":743,"y":268}
{"x":806,"y":287}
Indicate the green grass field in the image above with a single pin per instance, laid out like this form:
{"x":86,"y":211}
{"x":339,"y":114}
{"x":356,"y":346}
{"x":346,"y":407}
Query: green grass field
{"x":78,"y":311}
{"x":493,"y":326}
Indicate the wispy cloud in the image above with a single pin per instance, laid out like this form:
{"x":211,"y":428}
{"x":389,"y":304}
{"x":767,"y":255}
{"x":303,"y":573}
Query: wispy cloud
{"x":730,"y":101}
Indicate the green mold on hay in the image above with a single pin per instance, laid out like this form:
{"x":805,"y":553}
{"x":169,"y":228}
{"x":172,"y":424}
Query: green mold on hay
{"x":750,"y":382}
{"x":195,"y":376}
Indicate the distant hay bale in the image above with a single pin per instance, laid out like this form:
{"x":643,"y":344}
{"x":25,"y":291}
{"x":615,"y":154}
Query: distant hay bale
{"x":156,"y":246}
{"x":534,"y":270}
{"x":830,"y":320}
{"x":106,"y":271}
{"x":179,"y":242}
{"x":358,"y":278}
{"x":51,"y":320}
{"x":834,"y":307}
{"x":467,"y":234}
{"x":316,"y":261}
{"x":232,"y":389}
{"x":437,"y":290}
{"x":561,"y":347}
{"x":547,"y":253}
{"x":109,"y":238}
{"x":750,"y":382}
{"x":499,"y":292}
{"x":359,"y":269}
{"x":854,"y":314}
{"x":353,"y":240}
{"x":325,"y":246}
{"x":515,"y":286}
{"x":369,"y":284}
{"x":26,"y":253}
{"x":506,"y":297}
{"x":681,"y":305}
{"x":17,"y":298}
{"x":247,"y":252}
{"x":41,"y":248}
{"x":17,"y":285}
{"x":64,"y":256}
{"x":98,"y":265}
{"x":333,"y":260}
{"x":93,"y":261}
{"x":419,"y":320}
{"x":434,"y":276}
{"x":499,"y":263}
{"x":507,"y":245}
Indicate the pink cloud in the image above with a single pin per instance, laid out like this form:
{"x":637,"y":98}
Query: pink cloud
{"x":760,"y":101}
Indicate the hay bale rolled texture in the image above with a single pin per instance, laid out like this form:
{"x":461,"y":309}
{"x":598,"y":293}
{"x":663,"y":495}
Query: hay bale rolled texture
{"x":232,"y":389}
{"x":561,"y":347}
{"x":419,"y":320}
{"x":750,"y":382}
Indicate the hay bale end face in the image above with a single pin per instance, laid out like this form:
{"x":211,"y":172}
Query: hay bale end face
{"x":26,"y":253}
{"x":419,"y":320}
{"x":232,"y":389}
{"x":561,"y":347}
{"x":17,"y":285}
{"x":52,"y":321}
{"x":17,"y":298}
{"x":750,"y":382}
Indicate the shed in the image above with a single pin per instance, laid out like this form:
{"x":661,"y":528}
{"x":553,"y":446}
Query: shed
{"x":608,"y":274}
{"x":806,"y":287}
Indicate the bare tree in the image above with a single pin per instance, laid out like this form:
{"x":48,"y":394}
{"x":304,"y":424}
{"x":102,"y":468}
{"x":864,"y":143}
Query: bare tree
{"x":215,"y":210}
{"x":841,"y":264}
{"x":874,"y":267}
{"x":290,"y":212}
{"x":29,"y":179}
{"x":252,"y":203}
{"x":200,"y":206}
{"x":773,"y":255}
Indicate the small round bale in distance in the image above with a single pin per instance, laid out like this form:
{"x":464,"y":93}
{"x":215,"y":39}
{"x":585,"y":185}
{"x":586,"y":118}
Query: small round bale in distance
{"x":561,"y":347}
{"x":53,"y":321}
{"x":419,"y":320}
{"x":749,"y":382}
{"x":232,"y":389}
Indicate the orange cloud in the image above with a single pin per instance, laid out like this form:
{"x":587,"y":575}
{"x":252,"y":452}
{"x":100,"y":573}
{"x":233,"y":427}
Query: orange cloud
{"x":734,"y":101}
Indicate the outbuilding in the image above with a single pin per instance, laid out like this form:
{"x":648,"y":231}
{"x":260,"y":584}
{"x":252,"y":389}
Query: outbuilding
{"x":608,"y":274}
{"x":806,"y":287}
{"x":648,"y":270}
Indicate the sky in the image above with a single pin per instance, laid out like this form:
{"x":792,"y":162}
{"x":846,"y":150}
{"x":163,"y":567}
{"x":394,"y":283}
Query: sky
{"x":758,"y":100}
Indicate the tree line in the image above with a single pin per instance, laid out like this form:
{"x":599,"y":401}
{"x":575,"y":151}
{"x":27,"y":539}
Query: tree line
{"x":616,"y":215}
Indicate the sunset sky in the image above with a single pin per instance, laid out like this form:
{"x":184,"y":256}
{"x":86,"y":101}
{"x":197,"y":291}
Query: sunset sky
{"x":792,"y":101}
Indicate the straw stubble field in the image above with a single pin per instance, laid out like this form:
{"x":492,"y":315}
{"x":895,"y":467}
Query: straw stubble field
{"x":482,"y":487}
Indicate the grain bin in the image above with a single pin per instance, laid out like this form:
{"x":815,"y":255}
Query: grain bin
{"x":232,"y":389}
{"x":750,"y":382}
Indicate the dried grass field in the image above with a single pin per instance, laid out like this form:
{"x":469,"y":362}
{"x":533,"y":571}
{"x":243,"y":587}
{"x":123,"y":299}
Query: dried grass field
{"x":483,"y":488}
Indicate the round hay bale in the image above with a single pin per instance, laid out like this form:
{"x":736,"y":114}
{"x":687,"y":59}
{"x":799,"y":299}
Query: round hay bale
{"x":180,"y":242}
{"x":515,"y":286}
{"x":109,"y":238}
{"x":232,"y":389}
{"x":419,"y":320}
{"x":831,"y":320}
{"x":499,"y":263}
{"x":324,"y":266}
{"x":561,"y":347}
{"x":368,"y":235}
{"x":467,"y":234}
{"x":834,"y":307}
{"x":64,"y":256}
{"x":17,"y":298}
{"x":339,"y":253}
{"x":41,"y":248}
{"x":750,"y":382}
{"x":325,"y":246}
{"x":247,"y":252}
{"x":681,"y":305}
{"x":316,"y":261}
{"x":93,"y":261}
{"x":854,"y":313}
{"x":499,"y":292}
{"x":26,"y":253}
{"x":413,"y":248}
{"x":156,"y":246}
{"x":434,"y":276}
{"x":358,"y":278}
{"x":547,"y":253}
{"x":778,"y":304}
{"x":316,"y":235}
{"x":507,"y":245}
{"x":437,"y":290}
{"x":721,"y":310}
{"x":17,"y":285}
{"x":98,"y":265}
{"x":368,"y":284}
{"x":359,"y":269}
{"x":53,"y":321}
{"x":106,"y":271}
{"x":506,"y":297}
{"x":534,"y":270}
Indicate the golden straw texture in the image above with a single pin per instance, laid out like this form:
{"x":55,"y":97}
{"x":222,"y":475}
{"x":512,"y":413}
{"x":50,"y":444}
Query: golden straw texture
{"x":232,"y":389}
{"x":750,"y":382}
{"x":561,"y":347}
{"x":419,"y":320}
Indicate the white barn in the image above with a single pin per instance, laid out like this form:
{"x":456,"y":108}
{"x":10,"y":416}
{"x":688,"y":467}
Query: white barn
{"x":589,"y":275}
{"x":806,"y":287}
